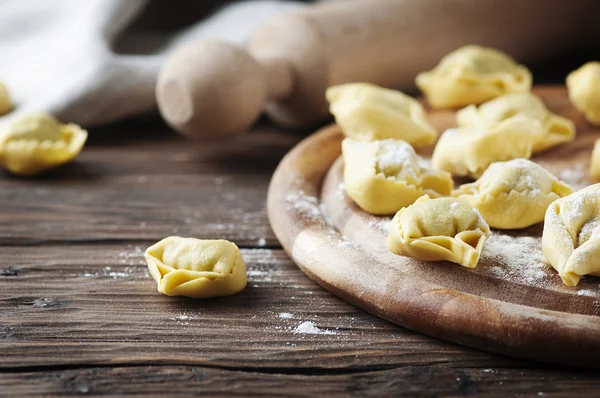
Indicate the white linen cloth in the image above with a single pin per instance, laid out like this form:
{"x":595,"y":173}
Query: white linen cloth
{"x":58,"y":56}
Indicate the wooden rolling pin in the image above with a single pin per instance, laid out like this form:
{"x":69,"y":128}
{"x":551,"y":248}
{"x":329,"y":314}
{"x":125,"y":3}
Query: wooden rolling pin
{"x":212,"y":89}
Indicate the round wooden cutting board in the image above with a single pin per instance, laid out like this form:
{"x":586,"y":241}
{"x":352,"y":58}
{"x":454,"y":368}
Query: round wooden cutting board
{"x":510,"y":304}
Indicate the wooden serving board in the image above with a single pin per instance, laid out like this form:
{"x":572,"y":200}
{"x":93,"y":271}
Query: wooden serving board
{"x":510,"y":304}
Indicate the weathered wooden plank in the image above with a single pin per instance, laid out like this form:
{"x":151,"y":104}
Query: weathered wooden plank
{"x":96,"y":304}
{"x":148,"y":189}
{"x":410,"y":381}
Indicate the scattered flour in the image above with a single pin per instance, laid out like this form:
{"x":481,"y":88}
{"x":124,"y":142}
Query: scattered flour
{"x":303,"y":203}
{"x":310,"y":328}
{"x":346,"y":243}
{"x":586,"y":292}
{"x":575,"y":176}
{"x":286,"y":315}
{"x":262,"y":242}
{"x":383,"y":224}
{"x":340,"y":191}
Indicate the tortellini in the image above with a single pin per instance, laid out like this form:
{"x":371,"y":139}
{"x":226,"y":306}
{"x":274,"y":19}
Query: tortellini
{"x":5,"y":102}
{"x":513,"y":194}
{"x":558,"y":130}
{"x":367,"y":112}
{"x":196,"y":268}
{"x":38,"y":142}
{"x":468,"y":151}
{"x":472,"y":75}
{"x":571,"y":237}
{"x":595,"y":162}
{"x":439,"y":229}
{"x":584,"y":90}
{"x":384,"y":176}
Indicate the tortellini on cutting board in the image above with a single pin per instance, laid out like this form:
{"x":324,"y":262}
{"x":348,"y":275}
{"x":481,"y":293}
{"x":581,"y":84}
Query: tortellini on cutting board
{"x":468,"y":151}
{"x":595,"y":161}
{"x":513,"y":194}
{"x":472,"y":75}
{"x":368,"y":112}
{"x":571,"y":237}
{"x":196,"y":268}
{"x":5,"y":101}
{"x":558,"y":130}
{"x":384,"y":176}
{"x":584,"y":90}
{"x":439,"y":229}
{"x":38,"y":142}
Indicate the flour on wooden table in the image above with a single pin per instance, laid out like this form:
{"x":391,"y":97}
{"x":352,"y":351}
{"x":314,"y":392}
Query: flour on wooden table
{"x":309,"y":327}
{"x":285,"y":315}
{"x":308,"y":205}
{"x":574,"y":176}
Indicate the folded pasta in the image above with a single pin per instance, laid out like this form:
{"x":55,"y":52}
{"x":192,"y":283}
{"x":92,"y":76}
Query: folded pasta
{"x":472,"y":75}
{"x":38,"y":142}
{"x":557,"y":129}
{"x":513,"y":194}
{"x":571,"y":237}
{"x":468,"y":151}
{"x":384,"y":176}
{"x":584,"y":91}
{"x":196,"y":268}
{"x":439,"y":229}
{"x":367,"y":112}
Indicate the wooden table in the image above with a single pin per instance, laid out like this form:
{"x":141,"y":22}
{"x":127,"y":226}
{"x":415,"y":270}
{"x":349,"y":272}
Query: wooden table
{"x":79,"y":313}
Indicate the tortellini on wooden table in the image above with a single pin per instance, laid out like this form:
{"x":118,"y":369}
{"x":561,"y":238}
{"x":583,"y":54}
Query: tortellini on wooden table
{"x":368,"y":112}
{"x":584,"y":91}
{"x":472,"y":75}
{"x":439,"y":229}
{"x":468,"y":151}
{"x":196,"y":268}
{"x":558,"y":129}
{"x":5,"y":101}
{"x":513,"y":194}
{"x":38,"y":142}
{"x":571,"y":237}
{"x":384,"y":176}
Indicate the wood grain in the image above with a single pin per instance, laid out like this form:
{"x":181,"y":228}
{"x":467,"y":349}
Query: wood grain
{"x":544,"y":321}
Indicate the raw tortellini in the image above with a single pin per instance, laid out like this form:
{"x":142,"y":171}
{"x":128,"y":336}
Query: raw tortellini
{"x":472,"y":75}
{"x":571,"y":238}
{"x":439,"y":229}
{"x":384,"y":176}
{"x":558,"y":129}
{"x":513,"y":194}
{"x":196,"y":268}
{"x":367,"y":112}
{"x":5,"y":102}
{"x":584,"y":90}
{"x":38,"y":142}
{"x":595,"y":162}
{"x":468,"y":151}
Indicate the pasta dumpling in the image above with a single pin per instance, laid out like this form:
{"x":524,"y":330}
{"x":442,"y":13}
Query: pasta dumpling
{"x":384,"y":176}
{"x":38,"y":142}
{"x":196,"y":268}
{"x":5,"y":102}
{"x":368,"y":112}
{"x":468,"y":151}
{"x":472,"y":75}
{"x":584,"y":90}
{"x":513,"y":194}
{"x":595,"y":162}
{"x":571,"y":237}
{"x":557,"y":129}
{"x":439,"y":229}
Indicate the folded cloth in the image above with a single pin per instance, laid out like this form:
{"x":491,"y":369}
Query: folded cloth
{"x":78,"y":59}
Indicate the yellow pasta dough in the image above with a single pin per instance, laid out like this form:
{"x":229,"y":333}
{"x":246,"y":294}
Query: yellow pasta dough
{"x":5,"y":102}
{"x":196,"y":268}
{"x":38,"y":142}
{"x":558,"y":129}
{"x":571,"y":237}
{"x":439,"y":229}
{"x":468,"y":151}
{"x":513,"y":194}
{"x":595,"y":162}
{"x":472,"y":75}
{"x":584,"y":90}
{"x":367,"y":112}
{"x":384,"y":176}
